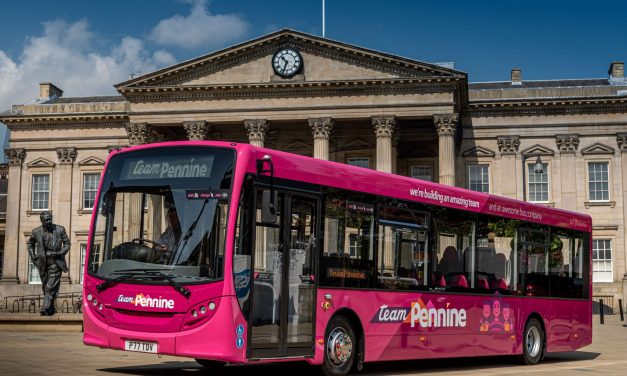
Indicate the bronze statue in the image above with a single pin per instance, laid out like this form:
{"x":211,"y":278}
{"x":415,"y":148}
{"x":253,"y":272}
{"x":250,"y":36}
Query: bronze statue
{"x":47,"y":246}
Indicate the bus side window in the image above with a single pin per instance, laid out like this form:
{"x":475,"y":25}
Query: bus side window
{"x":347,"y":258}
{"x":496,"y":261}
{"x":451,"y":259}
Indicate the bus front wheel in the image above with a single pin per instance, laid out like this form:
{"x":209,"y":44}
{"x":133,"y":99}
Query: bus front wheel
{"x":340,"y":347}
{"x":533,"y":342}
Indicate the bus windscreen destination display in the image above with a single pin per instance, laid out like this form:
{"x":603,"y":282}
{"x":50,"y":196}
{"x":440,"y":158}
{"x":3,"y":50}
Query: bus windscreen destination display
{"x":175,"y":167}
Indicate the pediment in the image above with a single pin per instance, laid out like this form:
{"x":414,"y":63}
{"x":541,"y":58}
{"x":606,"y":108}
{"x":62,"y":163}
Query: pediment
{"x":91,"y":161}
{"x":597,"y":148}
{"x":297,"y":146}
{"x":324,"y":60}
{"x":357,"y":144}
{"x":479,"y":151}
{"x":538,"y":150}
{"x":40,"y":162}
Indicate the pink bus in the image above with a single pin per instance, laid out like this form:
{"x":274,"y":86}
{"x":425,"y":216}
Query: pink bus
{"x":233,"y":254}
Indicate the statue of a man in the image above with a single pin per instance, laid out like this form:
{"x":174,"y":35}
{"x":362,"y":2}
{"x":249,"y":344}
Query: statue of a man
{"x":47,"y":247}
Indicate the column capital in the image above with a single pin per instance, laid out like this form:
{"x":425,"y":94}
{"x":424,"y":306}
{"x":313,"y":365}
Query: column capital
{"x":621,"y":138}
{"x":197,"y":130}
{"x":445,"y":124}
{"x":15,"y":156}
{"x":256,"y":129}
{"x":321,"y":127}
{"x":137,"y":133}
{"x":508,"y":144}
{"x":567,"y":143}
{"x":66,"y":155}
{"x":383,"y":125}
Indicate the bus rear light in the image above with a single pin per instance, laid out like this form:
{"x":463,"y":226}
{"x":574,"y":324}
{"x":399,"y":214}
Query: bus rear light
{"x":89,"y":297}
{"x":212,"y":306}
{"x":203,"y":310}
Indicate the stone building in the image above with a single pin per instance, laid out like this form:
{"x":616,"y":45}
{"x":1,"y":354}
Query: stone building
{"x":339,"y":102}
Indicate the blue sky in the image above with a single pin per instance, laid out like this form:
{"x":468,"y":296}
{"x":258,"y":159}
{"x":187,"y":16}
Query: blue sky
{"x":87,"y":46}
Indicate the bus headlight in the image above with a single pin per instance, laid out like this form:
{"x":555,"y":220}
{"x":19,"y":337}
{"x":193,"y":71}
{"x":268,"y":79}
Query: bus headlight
{"x":199,"y":314}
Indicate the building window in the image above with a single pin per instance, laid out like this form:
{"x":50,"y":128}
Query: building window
{"x":478,"y":178}
{"x":598,"y":181}
{"x":421,"y":172}
{"x":538,"y":183}
{"x":359,"y":162}
{"x":83,"y":252}
{"x":33,"y":273}
{"x":40,"y":191}
{"x":602,"y":260}
{"x":90,"y":187}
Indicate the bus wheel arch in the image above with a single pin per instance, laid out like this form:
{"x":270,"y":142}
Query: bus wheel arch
{"x":344,"y":323}
{"x":534,"y":339}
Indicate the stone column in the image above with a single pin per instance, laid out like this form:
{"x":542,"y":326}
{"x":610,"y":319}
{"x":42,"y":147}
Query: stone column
{"x":12,"y":238}
{"x":196,"y":130}
{"x":321,"y":129}
{"x":567,"y":145}
{"x":446,"y":126}
{"x":256,"y":129}
{"x":63,"y":215}
{"x":621,"y":139}
{"x":138,"y":134}
{"x":510,"y":170}
{"x":384,"y":130}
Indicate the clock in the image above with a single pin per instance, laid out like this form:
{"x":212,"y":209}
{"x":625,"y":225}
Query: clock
{"x":287,"y":62}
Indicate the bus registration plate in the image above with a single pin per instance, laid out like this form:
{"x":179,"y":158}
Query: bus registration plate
{"x":140,"y":346}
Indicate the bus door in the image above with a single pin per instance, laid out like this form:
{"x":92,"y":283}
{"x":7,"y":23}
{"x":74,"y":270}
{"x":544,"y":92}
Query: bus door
{"x":282,"y":316}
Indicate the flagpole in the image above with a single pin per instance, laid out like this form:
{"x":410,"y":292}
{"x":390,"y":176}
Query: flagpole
{"x":323,"y":23}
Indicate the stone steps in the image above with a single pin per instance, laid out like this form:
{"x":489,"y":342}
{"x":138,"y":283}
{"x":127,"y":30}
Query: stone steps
{"x":31,"y":322}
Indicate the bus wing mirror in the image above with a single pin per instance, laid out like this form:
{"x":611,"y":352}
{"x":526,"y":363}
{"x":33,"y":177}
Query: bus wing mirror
{"x":269,"y":199}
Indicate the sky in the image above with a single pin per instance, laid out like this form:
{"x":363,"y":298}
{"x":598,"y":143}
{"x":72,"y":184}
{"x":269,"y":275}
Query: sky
{"x":85,"y":47}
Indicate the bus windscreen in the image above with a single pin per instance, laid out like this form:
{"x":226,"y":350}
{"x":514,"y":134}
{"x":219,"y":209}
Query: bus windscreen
{"x":163,"y":210}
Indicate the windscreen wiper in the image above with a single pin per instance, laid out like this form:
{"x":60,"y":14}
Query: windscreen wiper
{"x":153,"y":274}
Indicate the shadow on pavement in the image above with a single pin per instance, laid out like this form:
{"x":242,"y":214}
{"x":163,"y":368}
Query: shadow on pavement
{"x":378,"y":368}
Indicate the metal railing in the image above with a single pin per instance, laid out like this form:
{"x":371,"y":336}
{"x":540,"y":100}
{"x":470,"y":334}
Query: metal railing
{"x":69,"y":303}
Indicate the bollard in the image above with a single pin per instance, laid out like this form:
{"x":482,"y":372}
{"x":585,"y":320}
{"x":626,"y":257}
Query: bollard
{"x":601,"y":311}
{"x":620,"y":307}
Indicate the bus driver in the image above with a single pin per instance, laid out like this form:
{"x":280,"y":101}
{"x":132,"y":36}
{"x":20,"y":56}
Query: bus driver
{"x":169,"y":239}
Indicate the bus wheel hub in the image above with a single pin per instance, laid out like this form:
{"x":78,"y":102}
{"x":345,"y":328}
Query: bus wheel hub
{"x":339,"y":346}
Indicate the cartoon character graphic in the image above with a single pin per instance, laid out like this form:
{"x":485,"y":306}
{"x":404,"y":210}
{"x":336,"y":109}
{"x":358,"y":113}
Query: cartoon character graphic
{"x":507,"y":319}
{"x":485,"y":320}
{"x":496,"y":325}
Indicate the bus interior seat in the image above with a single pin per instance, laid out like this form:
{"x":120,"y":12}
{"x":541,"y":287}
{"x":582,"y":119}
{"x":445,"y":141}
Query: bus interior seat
{"x":457,"y":280}
{"x":437,"y":280}
{"x":500,"y":284}
{"x":482,"y":283}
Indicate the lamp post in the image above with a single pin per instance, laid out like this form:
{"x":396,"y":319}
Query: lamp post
{"x":537,"y":168}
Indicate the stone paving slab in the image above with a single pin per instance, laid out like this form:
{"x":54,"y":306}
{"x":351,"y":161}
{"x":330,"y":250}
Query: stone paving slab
{"x":51,"y":354}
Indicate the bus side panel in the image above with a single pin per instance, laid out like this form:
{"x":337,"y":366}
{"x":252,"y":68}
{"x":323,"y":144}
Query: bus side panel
{"x":387,"y":319}
{"x":559,"y":334}
{"x":582,"y":323}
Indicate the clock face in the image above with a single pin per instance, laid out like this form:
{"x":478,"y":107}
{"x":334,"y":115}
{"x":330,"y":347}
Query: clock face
{"x":287,"y":62}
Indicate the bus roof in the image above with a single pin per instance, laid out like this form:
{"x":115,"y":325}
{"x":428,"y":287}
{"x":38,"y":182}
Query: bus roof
{"x":340,"y":175}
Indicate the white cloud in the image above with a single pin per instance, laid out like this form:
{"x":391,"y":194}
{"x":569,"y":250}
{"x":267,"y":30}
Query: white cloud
{"x":199,"y":29}
{"x":64,"y":55}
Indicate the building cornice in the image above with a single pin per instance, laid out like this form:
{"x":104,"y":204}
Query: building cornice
{"x":67,"y":122}
{"x":290,"y":89}
{"x":554,"y":106}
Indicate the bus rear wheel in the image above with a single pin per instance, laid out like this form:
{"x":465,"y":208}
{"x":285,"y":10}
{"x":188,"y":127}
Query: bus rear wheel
{"x":533,"y":342}
{"x":340,"y":347}
{"x":212,"y":365}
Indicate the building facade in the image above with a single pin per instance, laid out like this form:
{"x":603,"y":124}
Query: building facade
{"x":308,"y":95}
